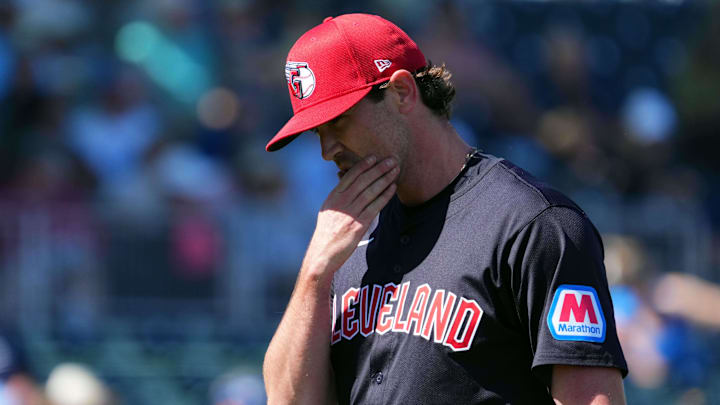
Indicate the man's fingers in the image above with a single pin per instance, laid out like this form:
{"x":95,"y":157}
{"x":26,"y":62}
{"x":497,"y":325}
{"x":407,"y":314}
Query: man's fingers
{"x":373,"y":190}
{"x":361,"y":185}
{"x":355,"y":171}
{"x":372,"y":209}
{"x":367,"y":178}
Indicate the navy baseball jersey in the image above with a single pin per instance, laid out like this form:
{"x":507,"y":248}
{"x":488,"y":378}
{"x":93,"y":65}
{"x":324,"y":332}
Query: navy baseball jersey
{"x":470,"y":297}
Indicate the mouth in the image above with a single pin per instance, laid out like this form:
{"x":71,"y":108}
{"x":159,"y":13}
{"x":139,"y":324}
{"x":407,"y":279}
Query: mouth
{"x":341,"y":173}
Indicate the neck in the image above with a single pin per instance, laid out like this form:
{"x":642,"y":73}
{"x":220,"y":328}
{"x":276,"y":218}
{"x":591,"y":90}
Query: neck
{"x":436,"y":155}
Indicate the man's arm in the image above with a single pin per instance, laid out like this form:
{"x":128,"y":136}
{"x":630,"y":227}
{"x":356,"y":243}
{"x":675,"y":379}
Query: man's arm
{"x":297,"y":366}
{"x":575,"y":385}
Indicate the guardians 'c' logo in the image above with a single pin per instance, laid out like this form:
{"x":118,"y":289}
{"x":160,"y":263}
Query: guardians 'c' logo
{"x":300,"y":79}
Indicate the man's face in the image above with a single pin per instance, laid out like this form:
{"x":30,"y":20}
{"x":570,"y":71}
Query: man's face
{"x":368,"y":128}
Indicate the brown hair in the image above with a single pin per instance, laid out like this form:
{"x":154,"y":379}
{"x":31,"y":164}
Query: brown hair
{"x":435,"y":87}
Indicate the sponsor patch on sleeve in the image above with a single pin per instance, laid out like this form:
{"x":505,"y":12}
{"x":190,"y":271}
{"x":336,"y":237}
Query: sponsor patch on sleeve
{"x":576,"y":314}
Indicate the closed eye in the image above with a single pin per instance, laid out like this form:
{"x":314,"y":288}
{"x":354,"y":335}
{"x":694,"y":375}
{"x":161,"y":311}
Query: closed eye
{"x":337,"y":119}
{"x":333,"y":122}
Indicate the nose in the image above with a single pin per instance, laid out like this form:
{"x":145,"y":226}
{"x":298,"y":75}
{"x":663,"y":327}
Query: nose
{"x":330,"y":146}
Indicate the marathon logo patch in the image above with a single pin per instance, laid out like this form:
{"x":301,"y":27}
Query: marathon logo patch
{"x":575,"y":314}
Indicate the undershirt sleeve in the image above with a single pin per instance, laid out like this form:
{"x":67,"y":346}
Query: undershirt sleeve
{"x":558,"y":275}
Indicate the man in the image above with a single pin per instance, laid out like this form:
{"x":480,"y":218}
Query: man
{"x":436,"y":274}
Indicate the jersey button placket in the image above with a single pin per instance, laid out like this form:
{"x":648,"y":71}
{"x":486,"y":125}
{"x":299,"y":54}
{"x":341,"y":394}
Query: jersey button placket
{"x":405,"y":240}
{"x":379,"y":377}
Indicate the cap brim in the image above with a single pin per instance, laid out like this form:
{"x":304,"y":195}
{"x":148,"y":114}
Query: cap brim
{"x":315,"y":116}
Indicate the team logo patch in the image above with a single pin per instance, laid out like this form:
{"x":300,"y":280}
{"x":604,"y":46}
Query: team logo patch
{"x":575,"y":314}
{"x":382,"y":64}
{"x":300,"y":78}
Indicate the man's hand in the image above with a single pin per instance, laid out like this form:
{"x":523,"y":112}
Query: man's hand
{"x":297,"y":363}
{"x":349,"y":210}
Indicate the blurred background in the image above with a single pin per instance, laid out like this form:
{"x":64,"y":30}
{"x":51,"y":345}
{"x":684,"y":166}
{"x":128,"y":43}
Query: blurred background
{"x":149,"y":244}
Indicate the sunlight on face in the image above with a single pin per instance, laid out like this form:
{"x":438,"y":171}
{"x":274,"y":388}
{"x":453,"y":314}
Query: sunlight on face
{"x":368,"y":128}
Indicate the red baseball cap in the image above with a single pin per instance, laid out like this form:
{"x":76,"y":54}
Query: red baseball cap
{"x":334,"y":65}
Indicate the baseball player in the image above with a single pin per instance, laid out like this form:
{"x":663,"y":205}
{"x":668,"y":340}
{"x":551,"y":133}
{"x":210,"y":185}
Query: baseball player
{"x":437,"y":274}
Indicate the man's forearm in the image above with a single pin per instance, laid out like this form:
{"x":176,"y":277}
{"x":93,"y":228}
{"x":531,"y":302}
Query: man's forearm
{"x":297,"y":363}
{"x":585,"y":385}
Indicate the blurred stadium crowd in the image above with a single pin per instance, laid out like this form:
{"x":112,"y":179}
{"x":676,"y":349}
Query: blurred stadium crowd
{"x":148,"y":244}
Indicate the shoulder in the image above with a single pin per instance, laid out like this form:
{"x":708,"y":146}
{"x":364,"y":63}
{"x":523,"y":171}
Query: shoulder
{"x":507,"y":195}
{"x":527,"y":191}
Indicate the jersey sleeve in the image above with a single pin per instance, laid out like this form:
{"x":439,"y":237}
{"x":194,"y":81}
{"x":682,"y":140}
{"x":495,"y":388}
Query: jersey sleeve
{"x":561,"y":292}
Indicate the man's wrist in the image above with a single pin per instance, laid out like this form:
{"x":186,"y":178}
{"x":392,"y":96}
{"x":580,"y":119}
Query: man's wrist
{"x":317,"y":271}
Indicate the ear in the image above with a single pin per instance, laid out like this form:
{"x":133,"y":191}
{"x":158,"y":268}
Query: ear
{"x":405,"y":90}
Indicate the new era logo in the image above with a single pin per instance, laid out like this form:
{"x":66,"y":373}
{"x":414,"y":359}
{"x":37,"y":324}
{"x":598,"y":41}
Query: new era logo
{"x":575,"y":314}
{"x":382,"y":64}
